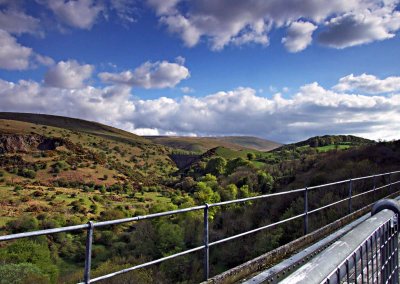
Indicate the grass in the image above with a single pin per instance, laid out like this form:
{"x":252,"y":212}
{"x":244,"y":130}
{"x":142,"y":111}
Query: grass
{"x":333,"y":147}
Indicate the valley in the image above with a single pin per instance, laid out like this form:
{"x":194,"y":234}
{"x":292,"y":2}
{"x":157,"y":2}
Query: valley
{"x":58,"y":171}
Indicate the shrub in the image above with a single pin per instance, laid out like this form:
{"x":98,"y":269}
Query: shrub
{"x":22,"y":273}
{"x":23,"y":224}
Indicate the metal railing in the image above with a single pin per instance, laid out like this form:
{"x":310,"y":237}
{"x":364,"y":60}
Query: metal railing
{"x":90,"y":226}
{"x":366,"y":254}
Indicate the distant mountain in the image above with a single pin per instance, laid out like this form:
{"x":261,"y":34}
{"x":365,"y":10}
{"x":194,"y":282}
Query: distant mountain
{"x":203,"y":144}
{"x":250,"y":142}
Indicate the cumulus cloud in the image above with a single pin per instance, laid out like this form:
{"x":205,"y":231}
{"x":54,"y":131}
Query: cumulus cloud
{"x":17,"y":22}
{"x":225,"y":22}
{"x":313,"y":110}
{"x":360,"y":28}
{"x":14,"y":56}
{"x":299,"y":36}
{"x":68,"y":75}
{"x":150,"y":75}
{"x":368,"y":84}
{"x":80,"y":14}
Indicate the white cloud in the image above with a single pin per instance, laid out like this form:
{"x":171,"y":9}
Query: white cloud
{"x":299,"y":36}
{"x":68,"y":74}
{"x":13,"y":56}
{"x":368,"y":84}
{"x":313,"y":110}
{"x":187,"y":90}
{"x":17,"y":22}
{"x":360,"y":28}
{"x":225,"y":22}
{"x":125,"y":10}
{"x":80,"y":14}
{"x":149,"y":75}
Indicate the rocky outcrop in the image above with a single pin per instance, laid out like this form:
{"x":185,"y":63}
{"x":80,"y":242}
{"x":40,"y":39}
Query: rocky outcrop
{"x":18,"y":143}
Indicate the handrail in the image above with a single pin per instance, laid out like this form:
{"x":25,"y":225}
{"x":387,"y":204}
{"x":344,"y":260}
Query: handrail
{"x":336,"y":261}
{"x":91,"y":225}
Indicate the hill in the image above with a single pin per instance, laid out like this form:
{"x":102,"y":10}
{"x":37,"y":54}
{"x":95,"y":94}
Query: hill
{"x":60,"y":149}
{"x":203,"y":144}
{"x":329,"y":142}
{"x":73,"y":124}
{"x":57,"y":171}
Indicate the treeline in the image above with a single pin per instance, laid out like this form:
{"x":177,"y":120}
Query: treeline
{"x":319,"y":141}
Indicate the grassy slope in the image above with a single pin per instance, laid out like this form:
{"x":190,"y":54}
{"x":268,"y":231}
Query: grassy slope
{"x":148,"y":161}
{"x":74,"y":124}
{"x":144,"y":157}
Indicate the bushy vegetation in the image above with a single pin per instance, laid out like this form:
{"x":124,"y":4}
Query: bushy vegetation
{"x":104,"y":175}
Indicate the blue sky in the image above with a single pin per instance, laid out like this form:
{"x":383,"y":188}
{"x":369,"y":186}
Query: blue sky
{"x":283,"y":70}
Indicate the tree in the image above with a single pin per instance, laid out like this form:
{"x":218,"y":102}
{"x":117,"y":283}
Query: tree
{"x":265,"y":182}
{"x":23,"y":224}
{"x":244,"y":191}
{"x":205,"y":194}
{"x":29,"y":251}
{"x":232,"y":165}
{"x":251,"y":156}
{"x":170,"y":238}
{"x":229,"y":193}
{"x":216,"y":166}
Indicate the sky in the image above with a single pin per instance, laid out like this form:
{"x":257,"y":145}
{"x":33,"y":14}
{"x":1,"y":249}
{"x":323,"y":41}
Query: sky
{"x":283,"y":70}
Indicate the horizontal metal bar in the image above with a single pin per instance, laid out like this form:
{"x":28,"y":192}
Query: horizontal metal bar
{"x":329,"y":184}
{"x":256,"y":197}
{"x":255,"y":230}
{"x":43,"y":232}
{"x":145,"y":264}
{"x":377,"y":175}
{"x":150,"y":216}
{"x":377,"y":188}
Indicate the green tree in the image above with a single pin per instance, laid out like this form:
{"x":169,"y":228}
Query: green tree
{"x":244,"y":191}
{"x":232,"y":165}
{"x":229,"y":193}
{"x":251,"y":156}
{"x":23,"y":224}
{"x":29,"y":251}
{"x":170,"y":238}
{"x":205,"y":194}
{"x":216,"y":166}
{"x":265,"y":182}
{"x":22,"y":273}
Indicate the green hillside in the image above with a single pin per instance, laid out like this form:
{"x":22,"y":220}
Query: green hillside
{"x":57,"y":171}
{"x":74,"y":124}
{"x":203,"y":144}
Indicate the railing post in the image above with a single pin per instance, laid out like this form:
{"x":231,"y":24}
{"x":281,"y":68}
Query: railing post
{"x":390,"y":182}
{"x":305,"y":211}
{"x":206,"y":248}
{"x":88,"y":255}
{"x":350,"y":194}
{"x":374,"y":192}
